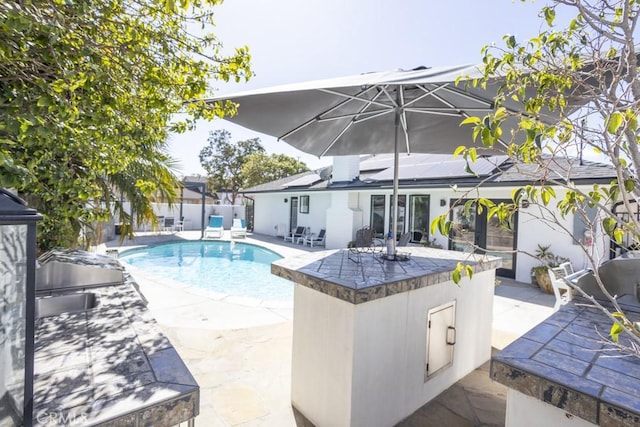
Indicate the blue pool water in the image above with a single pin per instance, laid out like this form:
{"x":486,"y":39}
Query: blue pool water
{"x":231,"y":268}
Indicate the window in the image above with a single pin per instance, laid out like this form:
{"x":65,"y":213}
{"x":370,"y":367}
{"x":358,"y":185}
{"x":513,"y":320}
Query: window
{"x":377,"y":215}
{"x":419,"y":217}
{"x":304,"y":204}
{"x":402,"y":202}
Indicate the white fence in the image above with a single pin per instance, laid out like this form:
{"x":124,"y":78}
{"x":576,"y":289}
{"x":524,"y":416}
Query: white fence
{"x":192,"y":214}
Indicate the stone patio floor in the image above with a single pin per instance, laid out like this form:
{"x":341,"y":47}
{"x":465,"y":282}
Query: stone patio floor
{"x":240,"y":351}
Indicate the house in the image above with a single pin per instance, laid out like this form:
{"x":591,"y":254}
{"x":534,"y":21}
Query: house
{"x":357,"y":191}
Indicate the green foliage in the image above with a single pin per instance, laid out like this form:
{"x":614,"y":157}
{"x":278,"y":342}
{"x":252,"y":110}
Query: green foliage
{"x":234,"y":166}
{"x":261,"y":168}
{"x":224,"y":160}
{"x":547,"y":258}
{"x":460,"y":271}
{"x":87,"y":96}
{"x":593,"y":62}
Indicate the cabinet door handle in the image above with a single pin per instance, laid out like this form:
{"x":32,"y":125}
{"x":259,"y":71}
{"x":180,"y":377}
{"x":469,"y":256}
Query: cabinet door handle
{"x":451,"y":335}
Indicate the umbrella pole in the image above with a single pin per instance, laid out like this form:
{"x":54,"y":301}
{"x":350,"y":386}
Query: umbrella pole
{"x":396,"y":155}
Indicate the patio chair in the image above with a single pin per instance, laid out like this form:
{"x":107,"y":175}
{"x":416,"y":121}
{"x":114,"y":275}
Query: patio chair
{"x":239,"y":227}
{"x":568,"y":268}
{"x":168,"y":224}
{"x":179,"y":225}
{"x":404,"y":239}
{"x":561,"y":288}
{"x":215,"y":227}
{"x":365,"y":243}
{"x":305,"y":235}
{"x":292,"y":236}
{"x":318,"y":240}
{"x":157,"y":227}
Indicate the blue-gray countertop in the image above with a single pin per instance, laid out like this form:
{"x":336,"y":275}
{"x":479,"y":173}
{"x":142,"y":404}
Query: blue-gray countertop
{"x":566,"y":362}
{"x":110,"y":365}
{"x":358,"y":278}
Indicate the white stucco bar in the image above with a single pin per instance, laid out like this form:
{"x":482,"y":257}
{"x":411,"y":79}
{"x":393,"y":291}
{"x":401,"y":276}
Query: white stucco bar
{"x":360,"y":332}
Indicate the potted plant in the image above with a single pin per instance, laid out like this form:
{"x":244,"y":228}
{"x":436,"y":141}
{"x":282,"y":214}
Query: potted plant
{"x":547,"y":260}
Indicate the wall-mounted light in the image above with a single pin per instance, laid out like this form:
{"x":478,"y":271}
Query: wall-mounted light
{"x":524,"y":203}
{"x":286,"y":200}
{"x":443,"y":202}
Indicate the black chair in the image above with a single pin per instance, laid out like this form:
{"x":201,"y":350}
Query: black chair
{"x":365,"y":242}
{"x":294,"y":235}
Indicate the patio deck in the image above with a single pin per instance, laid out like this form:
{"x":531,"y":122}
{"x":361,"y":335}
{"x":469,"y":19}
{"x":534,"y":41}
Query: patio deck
{"x":240,"y":351}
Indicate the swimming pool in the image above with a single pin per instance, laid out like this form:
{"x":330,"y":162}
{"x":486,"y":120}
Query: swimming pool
{"x":229,"y":268}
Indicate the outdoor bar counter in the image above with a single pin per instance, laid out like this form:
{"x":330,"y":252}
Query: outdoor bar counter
{"x":562,"y":373}
{"x":110,"y":366}
{"x":374,"y":340}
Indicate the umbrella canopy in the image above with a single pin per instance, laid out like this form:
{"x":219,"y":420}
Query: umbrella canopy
{"x":418,"y":110}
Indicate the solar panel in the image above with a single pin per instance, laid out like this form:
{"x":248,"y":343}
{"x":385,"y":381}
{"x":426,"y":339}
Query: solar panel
{"x":439,"y":166}
{"x":304,"y":181}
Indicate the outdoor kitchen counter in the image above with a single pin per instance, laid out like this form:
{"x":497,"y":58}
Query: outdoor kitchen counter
{"x":336,"y":272}
{"x":373,"y":340}
{"x":110,"y":365}
{"x":565,"y":363}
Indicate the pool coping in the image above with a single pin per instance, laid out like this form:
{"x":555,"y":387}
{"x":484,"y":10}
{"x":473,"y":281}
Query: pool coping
{"x":245,"y":301}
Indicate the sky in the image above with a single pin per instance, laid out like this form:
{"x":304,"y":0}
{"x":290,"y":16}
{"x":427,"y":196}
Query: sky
{"x":293,"y":41}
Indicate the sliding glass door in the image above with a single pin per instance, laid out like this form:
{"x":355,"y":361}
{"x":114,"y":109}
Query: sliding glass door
{"x":402,"y":203}
{"x":473,"y":232}
{"x":419,"y":217}
{"x":377,"y":214}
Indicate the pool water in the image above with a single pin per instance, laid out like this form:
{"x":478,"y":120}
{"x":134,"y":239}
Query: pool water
{"x":230,"y":268}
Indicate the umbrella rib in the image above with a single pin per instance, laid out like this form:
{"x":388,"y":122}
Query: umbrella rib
{"x":440,"y":111}
{"x":319,"y":116}
{"x":389,"y":97}
{"x":356,"y":97}
{"x":426,"y":93}
{"x":464,"y":113}
{"x":354,"y":120}
{"x":403,"y":117}
{"x":372,"y":114}
{"x":469,"y":96}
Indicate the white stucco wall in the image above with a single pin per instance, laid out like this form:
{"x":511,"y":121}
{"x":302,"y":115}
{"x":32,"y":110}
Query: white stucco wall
{"x":271,"y":211}
{"x":192,"y":214}
{"x":526,"y":411}
{"x":364,"y":365}
{"x":345,"y":168}
{"x":343,"y":212}
{"x":317,"y":216}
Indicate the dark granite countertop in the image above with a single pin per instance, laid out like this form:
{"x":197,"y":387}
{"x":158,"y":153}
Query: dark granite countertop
{"x":357,"y":279}
{"x":110,"y":365}
{"x":566,"y":362}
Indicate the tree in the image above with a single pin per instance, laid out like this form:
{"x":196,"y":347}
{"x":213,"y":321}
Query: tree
{"x":593,"y":60}
{"x":261,"y":168}
{"x":88,"y":94}
{"x":223,"y":161}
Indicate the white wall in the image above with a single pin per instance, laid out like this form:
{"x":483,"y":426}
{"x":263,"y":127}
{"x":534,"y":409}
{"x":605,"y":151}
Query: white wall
{"x":345,"y":168}
{"x":271,"y":211}
{"x":316,"y":219}
{"x":350,"y":210}
{"x":532,"y":231}
{"x":192,"y":214}
{"x":363,"y":365}
{"x":342,"y":221}
{"x":527,"y":411}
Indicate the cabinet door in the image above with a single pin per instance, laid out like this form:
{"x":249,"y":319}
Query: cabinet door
{"x":441,"y":338}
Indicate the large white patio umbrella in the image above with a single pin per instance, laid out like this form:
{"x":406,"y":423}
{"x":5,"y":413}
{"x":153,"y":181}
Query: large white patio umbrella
{"x":418,"y":110}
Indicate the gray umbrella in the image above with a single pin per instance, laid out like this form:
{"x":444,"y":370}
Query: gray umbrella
{"x":418,"y":110}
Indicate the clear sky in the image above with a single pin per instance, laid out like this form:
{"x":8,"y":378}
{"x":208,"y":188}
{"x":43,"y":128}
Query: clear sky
{"x":298,"y":40}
